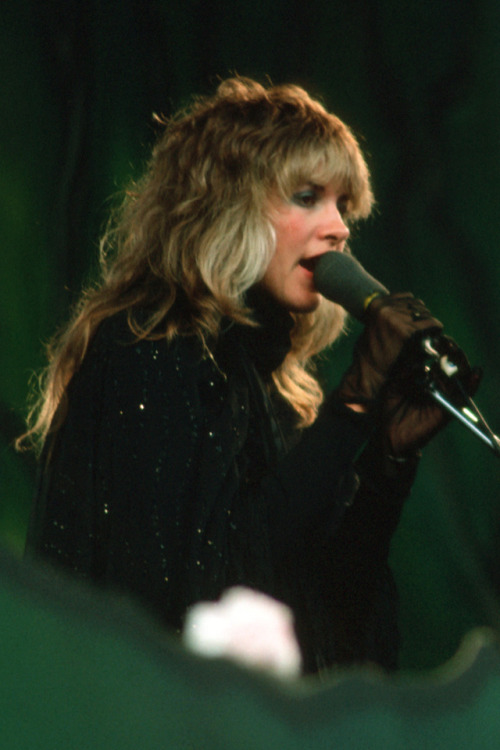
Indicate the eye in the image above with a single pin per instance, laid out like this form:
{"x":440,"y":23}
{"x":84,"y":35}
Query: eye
{"x":343,"y":205}
{"x":306,"y":198}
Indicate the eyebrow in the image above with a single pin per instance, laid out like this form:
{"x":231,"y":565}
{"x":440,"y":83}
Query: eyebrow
{"x":309,"y":184}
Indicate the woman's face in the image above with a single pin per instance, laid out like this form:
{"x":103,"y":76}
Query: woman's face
{"x":307,"y":225}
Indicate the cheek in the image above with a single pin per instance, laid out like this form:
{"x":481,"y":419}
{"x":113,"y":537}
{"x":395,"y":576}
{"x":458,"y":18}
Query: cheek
{"x":288,"y":229}
{"x":291,"y":229}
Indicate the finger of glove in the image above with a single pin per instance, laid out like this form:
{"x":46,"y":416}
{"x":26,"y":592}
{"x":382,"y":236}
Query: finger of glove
{"x":447,"y":347}
{"x":391,"y":321}
{"x":451,"y":354}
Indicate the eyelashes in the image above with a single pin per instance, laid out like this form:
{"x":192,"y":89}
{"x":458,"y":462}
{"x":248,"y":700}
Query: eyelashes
{"x":306,"y":198}
{"x":309,"y":197}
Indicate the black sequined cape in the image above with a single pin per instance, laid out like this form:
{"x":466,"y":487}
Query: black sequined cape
{"x":178,"y":473}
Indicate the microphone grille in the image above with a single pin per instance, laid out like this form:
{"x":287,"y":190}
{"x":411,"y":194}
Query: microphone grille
{"x":341,"y":278}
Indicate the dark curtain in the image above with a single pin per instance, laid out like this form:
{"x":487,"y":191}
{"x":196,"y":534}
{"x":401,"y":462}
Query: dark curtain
{"x":418,"y":83}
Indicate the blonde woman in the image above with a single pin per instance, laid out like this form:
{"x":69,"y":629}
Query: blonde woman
{"x":185,"y":443}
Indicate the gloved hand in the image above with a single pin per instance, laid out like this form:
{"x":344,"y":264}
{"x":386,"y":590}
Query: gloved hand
{"x":408,"y":417}
{"x":391,"y":321}
{"x":387,"y":374}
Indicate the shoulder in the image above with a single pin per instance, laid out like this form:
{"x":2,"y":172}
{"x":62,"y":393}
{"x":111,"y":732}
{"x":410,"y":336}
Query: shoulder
{"x":115,"y":341}
{"x":119,"y":363}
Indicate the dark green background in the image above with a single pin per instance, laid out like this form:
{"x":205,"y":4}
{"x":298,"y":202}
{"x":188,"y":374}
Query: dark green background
{"x":417,"y":81}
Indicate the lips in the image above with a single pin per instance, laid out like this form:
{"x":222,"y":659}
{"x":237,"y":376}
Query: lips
{"x":309,"y":263}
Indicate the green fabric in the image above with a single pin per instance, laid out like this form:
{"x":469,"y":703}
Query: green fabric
{"x":80,"y":670}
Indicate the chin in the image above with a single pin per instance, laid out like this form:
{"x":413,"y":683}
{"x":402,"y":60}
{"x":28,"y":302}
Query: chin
{"x":305,"y":306}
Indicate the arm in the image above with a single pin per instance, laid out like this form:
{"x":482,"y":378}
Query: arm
{"x":345,"y":598}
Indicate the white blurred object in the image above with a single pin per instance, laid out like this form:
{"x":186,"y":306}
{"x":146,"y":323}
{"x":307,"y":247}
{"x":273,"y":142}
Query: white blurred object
{"x":247,"y":626}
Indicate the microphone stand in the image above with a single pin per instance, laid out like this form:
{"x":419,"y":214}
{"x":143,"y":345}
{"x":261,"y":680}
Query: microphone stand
{"x":468,"y":414}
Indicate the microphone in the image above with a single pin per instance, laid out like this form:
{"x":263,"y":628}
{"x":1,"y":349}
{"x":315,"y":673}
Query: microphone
{"x":342,"y":279}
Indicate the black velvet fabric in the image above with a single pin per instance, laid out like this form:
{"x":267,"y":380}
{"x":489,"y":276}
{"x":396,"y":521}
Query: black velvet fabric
{"x":175,"y":476}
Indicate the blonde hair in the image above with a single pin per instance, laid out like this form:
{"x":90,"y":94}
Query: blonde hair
{"x":197,"y":226}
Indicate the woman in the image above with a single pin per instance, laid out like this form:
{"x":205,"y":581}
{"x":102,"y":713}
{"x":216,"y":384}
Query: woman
{"x":186,"y":447}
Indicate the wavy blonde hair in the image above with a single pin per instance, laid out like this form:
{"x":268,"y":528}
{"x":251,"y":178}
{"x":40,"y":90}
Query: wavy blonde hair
{"x":197,"y":225}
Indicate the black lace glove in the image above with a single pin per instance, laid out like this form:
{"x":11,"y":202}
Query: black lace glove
{"x":388,"y":373}
{"x":391,"y":321}
{"x":407,"y":416}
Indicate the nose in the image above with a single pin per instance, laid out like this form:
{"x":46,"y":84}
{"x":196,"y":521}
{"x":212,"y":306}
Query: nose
{"x":334,"y":229}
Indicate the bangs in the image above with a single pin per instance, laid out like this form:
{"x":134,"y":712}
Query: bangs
{"x":337,"y":160}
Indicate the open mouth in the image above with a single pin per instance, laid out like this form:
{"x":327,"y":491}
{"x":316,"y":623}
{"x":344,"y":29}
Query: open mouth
{"x":309,"y":263}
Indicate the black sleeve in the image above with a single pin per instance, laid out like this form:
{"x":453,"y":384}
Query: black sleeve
{"x":345,"y":599}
